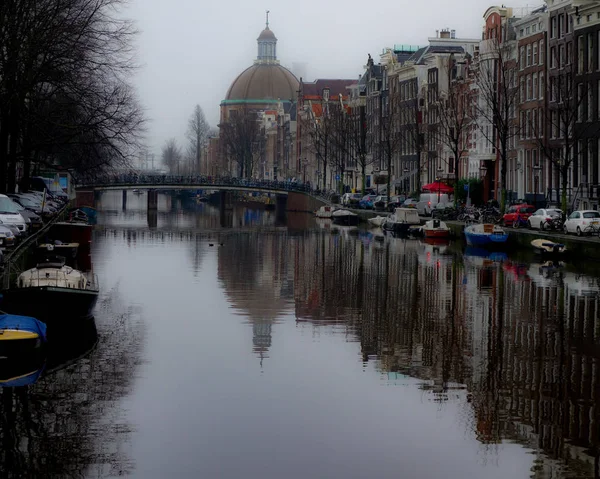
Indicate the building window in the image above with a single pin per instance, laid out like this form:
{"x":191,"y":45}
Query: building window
{"x":522,"y":124}
{"x":552,"y":57}
{"x":534,"y":123}
{"x":590,"y":48}
{"x":561,"y":56}
{"x":561,"y":22}
{"x":522,"y":88}
{"x":528,"y":87}
{"x":535,"y":53}
{"x":552,"y":89}
{"x":580,"y":52}
{"x":529,"y":55}
{"x":553,"y":27}
{"x":528,"y":30}
{"x":569,"y":53}
{"x":521,"y":32}
{"x":533,"y":28}
{"x":534,"y":80}
{"x":590,"y":103}
{"x":522,"y":57}
{"x":542,"y":85}
{"x":580,"y":102}
{"x":542,"y":52}
{"x":541,"y":123}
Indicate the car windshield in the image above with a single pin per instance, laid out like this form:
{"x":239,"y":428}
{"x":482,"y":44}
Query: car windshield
{"x":27,"y":201}
{"x":512,"y":209}
{"x":7,"y":206}
{"x":591,"y":214}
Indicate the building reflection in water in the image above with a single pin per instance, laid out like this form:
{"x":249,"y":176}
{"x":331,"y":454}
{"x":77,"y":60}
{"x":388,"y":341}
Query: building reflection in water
{"x":518,"y":343}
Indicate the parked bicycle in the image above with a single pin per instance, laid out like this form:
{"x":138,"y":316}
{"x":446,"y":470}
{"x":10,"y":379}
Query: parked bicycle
{"x":520,"y":221}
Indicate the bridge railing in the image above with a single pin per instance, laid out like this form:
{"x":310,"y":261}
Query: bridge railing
{"x":202,"y":181}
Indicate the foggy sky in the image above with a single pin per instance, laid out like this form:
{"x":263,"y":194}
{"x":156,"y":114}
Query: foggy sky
{"x":190,"y":50}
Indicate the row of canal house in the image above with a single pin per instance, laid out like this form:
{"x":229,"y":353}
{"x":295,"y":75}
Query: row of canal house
{"x":438,"y":112}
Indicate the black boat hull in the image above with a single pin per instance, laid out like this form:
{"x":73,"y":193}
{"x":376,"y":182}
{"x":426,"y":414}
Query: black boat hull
{"x":49,"y":303}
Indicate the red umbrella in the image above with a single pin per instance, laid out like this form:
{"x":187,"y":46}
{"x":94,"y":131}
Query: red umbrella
{"x":438,"y":187}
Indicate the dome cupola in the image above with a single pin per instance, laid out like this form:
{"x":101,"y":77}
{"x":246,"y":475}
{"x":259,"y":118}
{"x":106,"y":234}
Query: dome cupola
{"x":267,"y":45}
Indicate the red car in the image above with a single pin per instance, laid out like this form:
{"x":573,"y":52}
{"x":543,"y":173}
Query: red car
{"x":521,"y":211}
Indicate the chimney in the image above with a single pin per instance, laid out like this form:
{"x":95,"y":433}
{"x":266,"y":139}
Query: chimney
{"x":437,"y":34}
{"x":452,"y":33}
{"x":445,"y":33}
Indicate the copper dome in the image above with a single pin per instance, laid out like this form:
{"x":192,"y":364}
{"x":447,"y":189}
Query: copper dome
{"x":267,"y":34}
{"x":264,"y":82}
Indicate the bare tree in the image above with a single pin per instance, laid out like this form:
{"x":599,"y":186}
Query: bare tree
{"x":360,"y":144}
{"x":65,"y":100}
{"x":171,"y":156}
{"x":497,"y":99}
{"x":197,"y":135}
{"x":564,"y":125}
{"x":454,"y":121}
{"x":341,"y":129}
{"x":319,"y":126}
{"x":398,"y":126}
{"x":240,"y":136}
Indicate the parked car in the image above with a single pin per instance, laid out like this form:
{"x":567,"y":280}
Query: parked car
{"x":379,"y":203}
{"x":367,"y":202}
{"x":34,"y":221}
{"x":38,"y":183}
{"x":395,"y":202}
{"x":410,"y":203}
{"x":579,"y":221}
{"x":32,"y":204}
{"x":7,"y":237}
{"x":522,"y":211}
{"x":428,"y":201}
{"x":9,"y":214}
{"x":540,"y":220}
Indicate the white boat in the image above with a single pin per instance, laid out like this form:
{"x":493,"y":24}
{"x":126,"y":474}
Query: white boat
{"x":377,"y":221}
{"x":546,"y":247}
{"x":436,"y":229}
{"x":52,"y":290}
{"x":345,"y":217}
{"x":325,"y":211}
{"x":401,"y":220}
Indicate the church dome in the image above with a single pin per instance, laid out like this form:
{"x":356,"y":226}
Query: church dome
{"x":268,"y":81}
{"x":265,"y":81}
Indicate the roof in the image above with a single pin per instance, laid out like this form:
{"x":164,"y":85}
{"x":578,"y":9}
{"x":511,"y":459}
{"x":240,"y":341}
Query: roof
{"x":337,"y":86}
{"x":263,"y":82}
{"x":267,"y":34}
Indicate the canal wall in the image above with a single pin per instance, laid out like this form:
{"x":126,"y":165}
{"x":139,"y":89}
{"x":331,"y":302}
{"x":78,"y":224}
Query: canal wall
{"x":580,"y":247}
{"x":303,"y":203}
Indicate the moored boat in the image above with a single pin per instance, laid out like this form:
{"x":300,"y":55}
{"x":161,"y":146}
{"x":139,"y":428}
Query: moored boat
{"x":52,"y":290}
{"x":325,"y":212}
{"x":401,"y":220}
{"x":377,"y":221}
{"x":436,"y":229}
{"x":546,"y":247}
{"x":20,"y":334}
{"x":485,"y":234}
{"x":344,"y":217}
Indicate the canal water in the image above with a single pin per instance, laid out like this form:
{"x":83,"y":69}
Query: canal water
{"x":247,"y":345}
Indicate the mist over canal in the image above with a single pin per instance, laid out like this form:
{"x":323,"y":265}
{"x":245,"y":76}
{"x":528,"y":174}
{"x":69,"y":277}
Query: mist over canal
{"x":300,"y":350}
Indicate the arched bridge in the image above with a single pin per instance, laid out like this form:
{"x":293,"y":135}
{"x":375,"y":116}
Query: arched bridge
{"x":290,"y":196}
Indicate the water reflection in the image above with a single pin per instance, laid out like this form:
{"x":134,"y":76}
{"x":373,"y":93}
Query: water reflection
{"x":67,"y":422}
{"x":509,"y":348}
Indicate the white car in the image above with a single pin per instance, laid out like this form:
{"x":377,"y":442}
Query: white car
{"x":578,"y":221}
{"x":539,"y":219}
{"x":9,"y":214}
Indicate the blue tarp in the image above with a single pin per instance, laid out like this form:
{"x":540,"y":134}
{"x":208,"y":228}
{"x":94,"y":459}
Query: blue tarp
{"x":23,"y":323}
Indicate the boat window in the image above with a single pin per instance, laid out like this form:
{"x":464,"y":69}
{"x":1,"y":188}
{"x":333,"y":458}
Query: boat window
{"x":591,"y":214}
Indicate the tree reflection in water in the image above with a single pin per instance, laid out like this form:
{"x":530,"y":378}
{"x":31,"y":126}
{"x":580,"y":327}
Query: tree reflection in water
{"x":69,"y":424}
{"x":520,"y":342}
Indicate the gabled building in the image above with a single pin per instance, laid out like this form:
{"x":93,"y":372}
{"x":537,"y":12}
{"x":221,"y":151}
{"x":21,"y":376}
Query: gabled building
{"x":529,"y":173}
{"x":586,"y":164}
